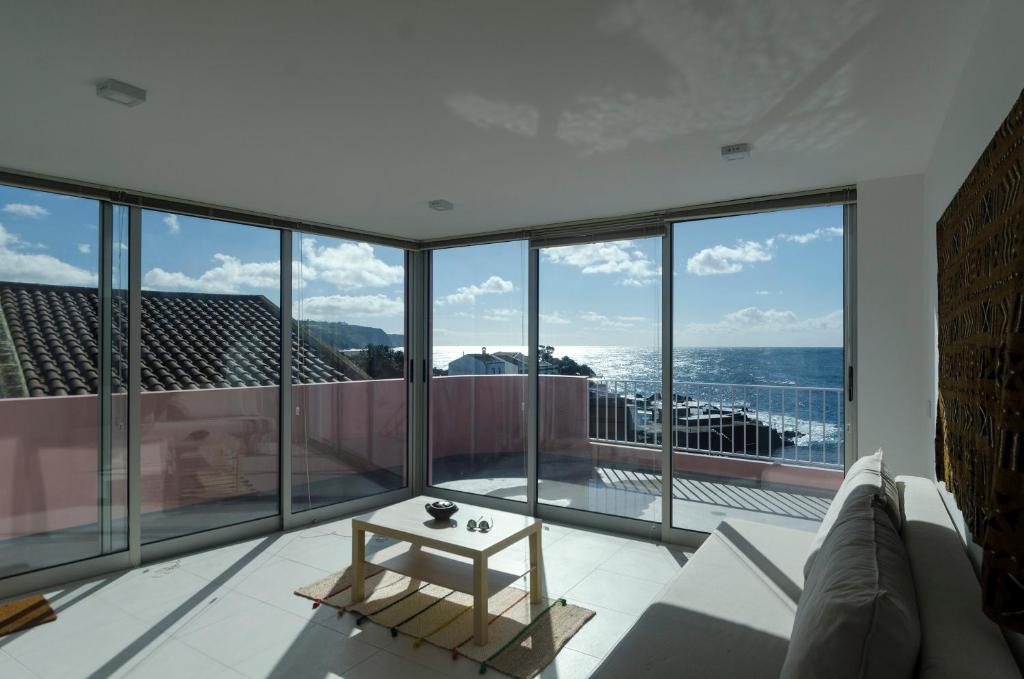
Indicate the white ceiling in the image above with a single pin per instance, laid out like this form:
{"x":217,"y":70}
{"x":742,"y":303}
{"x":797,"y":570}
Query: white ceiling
{"x":521,"y":113}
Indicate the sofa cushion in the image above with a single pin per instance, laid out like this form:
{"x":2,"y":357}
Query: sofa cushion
{"x":957,"y":640}
{"x":858,"y":613}
{"x":727,"y":614}
{"x":868,"y":476}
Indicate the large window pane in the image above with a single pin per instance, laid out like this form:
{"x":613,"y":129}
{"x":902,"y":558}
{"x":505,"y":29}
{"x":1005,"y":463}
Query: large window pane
{"x":758,"y":421}
{"x":478,"y":418}
{"x":61,"y":496}
{"x":210,"y":374}
{"x":600,"y":377}
{"x":348,"y":371}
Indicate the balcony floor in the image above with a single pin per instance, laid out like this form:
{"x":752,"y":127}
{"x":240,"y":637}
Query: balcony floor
{"x":230,"y":612}
{"x":699,"y":502}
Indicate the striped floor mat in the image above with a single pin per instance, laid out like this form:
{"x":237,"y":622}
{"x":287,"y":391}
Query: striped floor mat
{"x":523,"y":638}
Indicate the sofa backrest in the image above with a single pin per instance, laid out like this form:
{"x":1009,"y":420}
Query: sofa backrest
{"x":957,"y":640}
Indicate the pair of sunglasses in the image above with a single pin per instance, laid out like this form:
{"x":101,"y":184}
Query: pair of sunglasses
{"x":483,"y":525}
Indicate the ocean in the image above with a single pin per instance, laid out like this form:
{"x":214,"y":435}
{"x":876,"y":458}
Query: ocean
{"x":801,"y":371}
{"x":784,"y":366}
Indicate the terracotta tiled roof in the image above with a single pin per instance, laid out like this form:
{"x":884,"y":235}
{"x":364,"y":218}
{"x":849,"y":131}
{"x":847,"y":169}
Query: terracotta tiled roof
{"x":189,"y":341}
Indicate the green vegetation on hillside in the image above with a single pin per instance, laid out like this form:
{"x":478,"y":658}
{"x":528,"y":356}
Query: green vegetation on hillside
{"x":341,"y":336}
{"x":564,"y":365}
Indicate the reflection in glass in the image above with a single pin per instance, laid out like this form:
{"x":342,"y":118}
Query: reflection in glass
{"x":600,"y":384}
{"x":478,"y":418}
{"x":61,"y":499}
{"x":348,"y":371}
{"x":757,"y":368}
{"x":210,"y":374}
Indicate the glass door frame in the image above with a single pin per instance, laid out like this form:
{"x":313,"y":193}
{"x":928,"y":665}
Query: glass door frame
{"x":136,"y":553}
{"x":662,"y":530}
{"x":418,"y":306}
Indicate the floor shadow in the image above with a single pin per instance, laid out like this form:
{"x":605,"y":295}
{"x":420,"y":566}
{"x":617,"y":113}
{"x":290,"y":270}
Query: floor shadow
{"x":762,"y":562}
{"x":142,"y":641}
{"x":672,"y":641}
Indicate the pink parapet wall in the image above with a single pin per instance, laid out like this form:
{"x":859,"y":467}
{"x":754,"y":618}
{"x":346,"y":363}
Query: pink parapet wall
{"x":48,"y":463}
{"x":486,"y":414}
{"x":196,"y":446}
{"x":348,"y":428}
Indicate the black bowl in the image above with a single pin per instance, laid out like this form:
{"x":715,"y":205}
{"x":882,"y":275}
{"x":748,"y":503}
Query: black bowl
{"x":441,"y":510}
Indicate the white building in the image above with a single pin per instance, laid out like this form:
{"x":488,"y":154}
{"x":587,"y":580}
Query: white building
{"x":481,"y":364}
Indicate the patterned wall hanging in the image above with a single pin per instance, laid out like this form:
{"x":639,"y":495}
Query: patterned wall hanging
{"x":980,"y":437}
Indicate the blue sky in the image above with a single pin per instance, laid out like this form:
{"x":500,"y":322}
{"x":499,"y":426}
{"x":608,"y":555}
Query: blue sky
{"x":772,"y":279}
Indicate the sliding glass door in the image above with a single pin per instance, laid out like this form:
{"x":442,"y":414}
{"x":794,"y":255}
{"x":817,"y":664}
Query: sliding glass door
{"x":63,"y":466}
{"x":599,"y":377}
{"x":210,"y":374}
{"x":758,"y":419}
{"x":348,"y":433}
{"x":478,"y":421}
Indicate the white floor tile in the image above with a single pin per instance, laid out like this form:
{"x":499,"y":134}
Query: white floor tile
{"x":602,"y":631}
{"x":384,"y":665}
{"x":246,"y":631}
{"x":621,"y":593}
{"x":655,"y":564}
{"x":329,"y":552}
{"x":275,"y":582}
{"x":231,"y":612}
{"x":570,"y":664}
{"x":584,"y":546}
{"x":172,"y":659}
{"x":314,"y":653}
{"x":162,"y":594}
{"x":232,"y":563}
{"x":12,"y":669}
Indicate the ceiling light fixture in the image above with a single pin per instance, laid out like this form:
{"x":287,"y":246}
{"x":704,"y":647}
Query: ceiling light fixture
{"x":441,"y":205}
{"x":736,"y":151}
{"x":122,"y":93}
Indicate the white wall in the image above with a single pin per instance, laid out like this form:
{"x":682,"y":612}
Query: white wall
{"x":896,"y":263}
{"x":892,"y":371}
{"x":992,"y":79}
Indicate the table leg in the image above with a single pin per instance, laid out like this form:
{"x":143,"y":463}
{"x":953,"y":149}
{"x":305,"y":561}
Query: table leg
{"x":536,"y":566}
{"x":480,"y":597}
{"x":358,"y":564}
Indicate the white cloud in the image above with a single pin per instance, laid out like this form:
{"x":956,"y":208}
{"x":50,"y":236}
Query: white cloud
{"x":495,"y":285}
{"x":722,"y":259}
{"x":804,"y":238}
{"x":769,"y":327}
{"x":25,"y":210}
{"x":347,"y":265}
{"x":344,"y":307}
{"x":502,"y":315}
{"x":762,"y":293}
{"x":521,"y":119}
{"x":554,"y":319}
{"x":173,"y":227}
{"x":230,"y":276}
{"x":610,"y":257}
{"x":609,"y":321}
{"x":84,"y":248}
{"x":25,"y":267}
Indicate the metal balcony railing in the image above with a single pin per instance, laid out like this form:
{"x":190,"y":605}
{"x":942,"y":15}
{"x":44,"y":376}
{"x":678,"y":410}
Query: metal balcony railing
{"x":798,"y":425}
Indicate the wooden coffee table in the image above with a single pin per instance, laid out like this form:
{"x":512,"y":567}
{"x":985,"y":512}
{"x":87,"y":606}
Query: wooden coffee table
{"x":409,"y":521}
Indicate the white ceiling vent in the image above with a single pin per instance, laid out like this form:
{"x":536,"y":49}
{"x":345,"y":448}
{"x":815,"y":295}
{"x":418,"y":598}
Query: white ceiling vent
{"x":736,"y":151}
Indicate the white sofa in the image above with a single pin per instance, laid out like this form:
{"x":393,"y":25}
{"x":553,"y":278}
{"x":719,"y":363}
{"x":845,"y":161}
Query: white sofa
{"x":730,"y":611}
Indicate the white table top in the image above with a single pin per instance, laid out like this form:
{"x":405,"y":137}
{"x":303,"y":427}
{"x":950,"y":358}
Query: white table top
{"x":408,"y":520}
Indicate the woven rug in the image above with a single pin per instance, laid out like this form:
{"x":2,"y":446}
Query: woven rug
{"x":24,"y":613}
{"x":523,"y":638}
